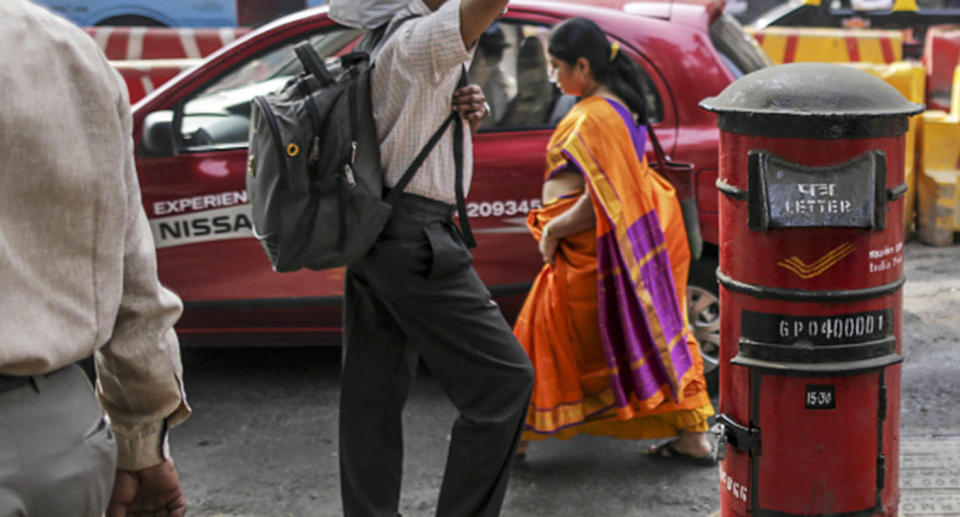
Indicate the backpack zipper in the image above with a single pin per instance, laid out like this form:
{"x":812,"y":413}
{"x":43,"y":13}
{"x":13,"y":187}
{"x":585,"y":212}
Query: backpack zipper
{"x":314,"y":155}
{"x":275,"y":129}
{"x":348,"y":168}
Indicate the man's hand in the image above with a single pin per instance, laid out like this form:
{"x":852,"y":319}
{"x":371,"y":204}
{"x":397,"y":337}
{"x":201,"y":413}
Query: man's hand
{"x":153,"y":491}
{"x":471,"y":103}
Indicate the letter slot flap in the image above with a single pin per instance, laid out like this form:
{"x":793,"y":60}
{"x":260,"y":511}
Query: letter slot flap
{"x":783,"y":194}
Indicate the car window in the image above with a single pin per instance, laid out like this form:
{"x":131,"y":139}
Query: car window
{"x":218,"y":116}
{"x":512,"y":67}
{"x":740,"y":52}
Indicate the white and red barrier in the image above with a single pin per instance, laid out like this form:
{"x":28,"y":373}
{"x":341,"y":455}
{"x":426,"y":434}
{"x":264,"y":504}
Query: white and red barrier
{"x":828,"y":45}
{"x":144,"y":76}
{"x":147,"y":57}
{"x":136,"y":43}
{"x":941,"y":55}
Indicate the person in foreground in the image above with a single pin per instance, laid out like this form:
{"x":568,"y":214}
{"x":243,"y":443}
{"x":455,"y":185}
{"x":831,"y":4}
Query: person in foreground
{"x":416,"y":293}
{"x":604,"y":323}
{"x":79,"y":277}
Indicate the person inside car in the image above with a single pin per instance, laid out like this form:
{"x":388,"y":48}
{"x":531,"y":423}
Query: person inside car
{"x":536,"y":94}
{"x":486,"y":71}
{"x":614,"y":358}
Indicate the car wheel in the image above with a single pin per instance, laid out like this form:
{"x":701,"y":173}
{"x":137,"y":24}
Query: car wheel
{"x":703,"y":310}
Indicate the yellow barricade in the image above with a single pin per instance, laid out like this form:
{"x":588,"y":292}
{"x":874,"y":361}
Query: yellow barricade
{"x":938,"y":198}
{"x":795,"y":44}
{"x":909,"y":78}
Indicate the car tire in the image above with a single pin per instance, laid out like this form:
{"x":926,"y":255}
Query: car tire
{"x":703,"y":310}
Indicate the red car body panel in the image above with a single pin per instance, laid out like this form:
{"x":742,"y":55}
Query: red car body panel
{"x":228,"y":285}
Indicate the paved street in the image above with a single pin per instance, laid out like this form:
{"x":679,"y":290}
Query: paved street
{"x":930,"y":462}
{"x":263,"y":439}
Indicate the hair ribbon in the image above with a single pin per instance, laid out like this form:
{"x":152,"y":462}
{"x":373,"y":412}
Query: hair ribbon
{"x":614,"y":49}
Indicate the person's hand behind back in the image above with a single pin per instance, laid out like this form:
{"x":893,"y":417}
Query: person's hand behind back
{"x":153,"y":491}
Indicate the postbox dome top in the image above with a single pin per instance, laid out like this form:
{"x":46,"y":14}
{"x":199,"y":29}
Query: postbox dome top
{"x":815,"y":94}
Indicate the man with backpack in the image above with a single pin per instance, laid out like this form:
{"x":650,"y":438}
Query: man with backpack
{"x":416,"y":294}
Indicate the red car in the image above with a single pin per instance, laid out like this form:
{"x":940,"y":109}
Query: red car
{"x":191,"y":155}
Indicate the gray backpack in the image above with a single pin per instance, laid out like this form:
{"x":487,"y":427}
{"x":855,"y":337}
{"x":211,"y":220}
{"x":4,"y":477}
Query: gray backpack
{"x":313,"y":172}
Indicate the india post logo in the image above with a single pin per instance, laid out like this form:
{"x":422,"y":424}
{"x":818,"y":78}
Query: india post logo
{"x":821,"y":265}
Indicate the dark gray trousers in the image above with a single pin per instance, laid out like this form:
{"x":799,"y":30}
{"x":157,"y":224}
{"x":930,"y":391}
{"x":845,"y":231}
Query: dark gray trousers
{"x":417,"y":295}
{"x":58,"y":457}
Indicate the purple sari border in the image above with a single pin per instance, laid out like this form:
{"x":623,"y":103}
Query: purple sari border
{"x":579,"y":401}
{"x":559,"y":168}
{"x":663,"y":294}
{"x":620,"y":310}
{"x":528,"y":427}
{"x":638,"y":133}
{"x":646,"y":235}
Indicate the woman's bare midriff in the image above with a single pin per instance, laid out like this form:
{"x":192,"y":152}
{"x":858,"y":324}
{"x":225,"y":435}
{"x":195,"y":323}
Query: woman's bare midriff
{"x":560,"y":184}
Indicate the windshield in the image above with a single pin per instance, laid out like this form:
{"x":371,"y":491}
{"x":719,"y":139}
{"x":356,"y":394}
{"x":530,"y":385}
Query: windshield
{"x":739,"y":51}
{"x":219,"y":114}
{"x":263,"y":74}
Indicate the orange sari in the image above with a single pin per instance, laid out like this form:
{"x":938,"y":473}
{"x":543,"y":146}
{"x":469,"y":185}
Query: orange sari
{"x":607,"y":332}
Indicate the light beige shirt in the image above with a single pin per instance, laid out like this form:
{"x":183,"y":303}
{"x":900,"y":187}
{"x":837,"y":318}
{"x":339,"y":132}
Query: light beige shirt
{"x":415,"y":75}
{"x":77,"y":261}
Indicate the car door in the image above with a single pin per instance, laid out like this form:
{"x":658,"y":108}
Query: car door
{"x":195,"y":195}
{"x":196,"y":200}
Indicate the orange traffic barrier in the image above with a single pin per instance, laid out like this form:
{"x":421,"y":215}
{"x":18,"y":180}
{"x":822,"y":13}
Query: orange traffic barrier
{"x":909,"y":79}
{"x":938,"y":195}
{"x":941,"y":54}
{"x":144,"y":76}
{"x":135,"y":43}
{"x":796,"y":44}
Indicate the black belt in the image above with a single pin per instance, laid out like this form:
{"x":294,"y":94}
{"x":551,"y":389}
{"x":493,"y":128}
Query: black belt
{"x":12,"y":382}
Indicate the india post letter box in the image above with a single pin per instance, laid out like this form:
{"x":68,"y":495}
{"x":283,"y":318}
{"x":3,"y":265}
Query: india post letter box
{"x":811,"y":269}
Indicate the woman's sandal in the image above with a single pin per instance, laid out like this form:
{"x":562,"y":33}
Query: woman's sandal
{"x":666,"y":451}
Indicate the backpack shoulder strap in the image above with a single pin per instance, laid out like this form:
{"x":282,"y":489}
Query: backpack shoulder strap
{"x":453,"y":118}
{"x":422,"y":155}
{"x":462,"y":215}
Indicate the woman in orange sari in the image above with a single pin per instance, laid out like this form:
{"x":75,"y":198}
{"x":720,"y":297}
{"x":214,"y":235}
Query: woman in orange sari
{"x":605,"y":322}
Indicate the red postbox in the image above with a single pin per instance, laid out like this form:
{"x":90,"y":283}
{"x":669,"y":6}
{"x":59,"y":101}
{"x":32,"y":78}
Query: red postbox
{"x":811,"y":269}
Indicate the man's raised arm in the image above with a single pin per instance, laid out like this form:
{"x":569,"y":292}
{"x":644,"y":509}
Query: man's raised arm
{"x":476,"y":16}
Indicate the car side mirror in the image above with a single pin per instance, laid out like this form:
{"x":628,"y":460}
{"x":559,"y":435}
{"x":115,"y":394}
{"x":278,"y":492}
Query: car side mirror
{"x":157,"y":140}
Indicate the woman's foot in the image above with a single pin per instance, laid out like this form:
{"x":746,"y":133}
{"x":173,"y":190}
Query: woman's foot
{"x":690,"y":447}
